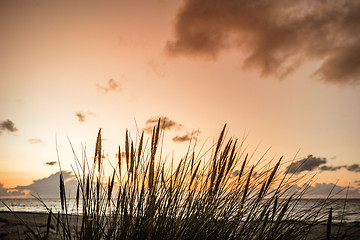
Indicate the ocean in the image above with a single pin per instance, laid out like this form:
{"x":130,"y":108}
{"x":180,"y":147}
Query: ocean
{"x":352,"y":210}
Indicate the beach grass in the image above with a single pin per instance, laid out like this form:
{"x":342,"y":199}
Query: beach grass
{"x":224,"y":196}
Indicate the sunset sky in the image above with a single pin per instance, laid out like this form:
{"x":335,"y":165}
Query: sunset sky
{"x":284,"y":73}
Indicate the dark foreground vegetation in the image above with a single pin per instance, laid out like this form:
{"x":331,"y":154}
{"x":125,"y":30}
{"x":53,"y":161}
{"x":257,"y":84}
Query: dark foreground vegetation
{"x":147,"y":197}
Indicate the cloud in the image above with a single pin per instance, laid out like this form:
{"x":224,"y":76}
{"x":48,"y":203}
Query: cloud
{"x":48,"y":187}
{"x":307,"y":164}
{"x":275,"y":37}
{"x":187,"y":137}
{"x":52,"y":163}
{"x":353,"y":168}
{"x":165,"y":124}
{"x":323,"y":190}
{"x":236,"y":173}
{"x":311,"y":163}
{"x":330,"y":168}
{"x":81,"y":116}
{"x":156,"y":68}
{"x":35,"y":140}
{"x":7,"y":125}
{"x":8,"y":192}
{"x":112,"y":85}
{"x":184,"y":138}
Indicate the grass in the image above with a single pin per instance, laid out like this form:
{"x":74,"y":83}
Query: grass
{"x":200,"y":198}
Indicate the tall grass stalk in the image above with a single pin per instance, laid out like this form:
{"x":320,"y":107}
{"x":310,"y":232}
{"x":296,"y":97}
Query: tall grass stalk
{"x":197,"y":199}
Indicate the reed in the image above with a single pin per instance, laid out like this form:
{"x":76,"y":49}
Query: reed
{"x":200,"y":199}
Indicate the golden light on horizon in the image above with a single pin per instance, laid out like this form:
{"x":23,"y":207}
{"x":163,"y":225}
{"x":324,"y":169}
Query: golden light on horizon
{"x":71,"y":68}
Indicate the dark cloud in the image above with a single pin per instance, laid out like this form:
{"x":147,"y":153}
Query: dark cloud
{"x":274,"y":36}
{"x":311,"y":163}
{"x":7,"y":125}
{"x":357,"y":182}
{"x":112,"y":85}
{"x":353,"y":168}
{"x":165,"y":124}
{"x":8,"y":192}
{"x":187,"y":137}
{"x":307,"y":164}
{"x":48,"y":187}
{"x":330,"y":168}
{"x":52,"y":163}
{"x":35,"y":140}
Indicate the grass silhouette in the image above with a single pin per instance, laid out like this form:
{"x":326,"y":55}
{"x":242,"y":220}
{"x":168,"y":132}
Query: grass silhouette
{"x":197,"y":199}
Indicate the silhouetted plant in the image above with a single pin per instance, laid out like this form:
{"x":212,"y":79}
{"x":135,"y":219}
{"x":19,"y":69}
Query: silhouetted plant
{"x":198,"y":199}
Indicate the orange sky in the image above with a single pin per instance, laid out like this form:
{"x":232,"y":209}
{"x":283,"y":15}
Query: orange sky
{"x":289,"y":83}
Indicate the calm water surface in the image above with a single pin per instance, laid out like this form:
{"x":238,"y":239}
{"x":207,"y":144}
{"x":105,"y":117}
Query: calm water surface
{"x":352,"y":211}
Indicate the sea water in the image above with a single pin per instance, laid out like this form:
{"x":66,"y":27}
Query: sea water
{"x":351,"y":213}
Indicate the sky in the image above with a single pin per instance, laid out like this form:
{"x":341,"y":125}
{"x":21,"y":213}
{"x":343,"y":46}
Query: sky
{"x":283,"y":73}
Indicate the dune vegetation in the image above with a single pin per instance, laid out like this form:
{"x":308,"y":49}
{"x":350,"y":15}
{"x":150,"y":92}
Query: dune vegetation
{"x":224,"y":196}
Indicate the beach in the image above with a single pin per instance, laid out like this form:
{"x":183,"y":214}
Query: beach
{"x":11,"y":227}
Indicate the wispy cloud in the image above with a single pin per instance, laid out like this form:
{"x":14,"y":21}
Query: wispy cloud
{"x":275,"y":37}
{"x":81,"y":116}
{"x":156,"y":68}
{"x":7,"y":125}
{"x":165,"y":124}
{"x":52,"y":163}
{"x":35,"y":141}
{"x":187,"y":137}
{"x":330,"y":168}
{"x":184,"y":138}
{"x":111,"y":85}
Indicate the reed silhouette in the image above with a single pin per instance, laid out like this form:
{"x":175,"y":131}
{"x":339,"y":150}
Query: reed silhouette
{"x":220,"y":197}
